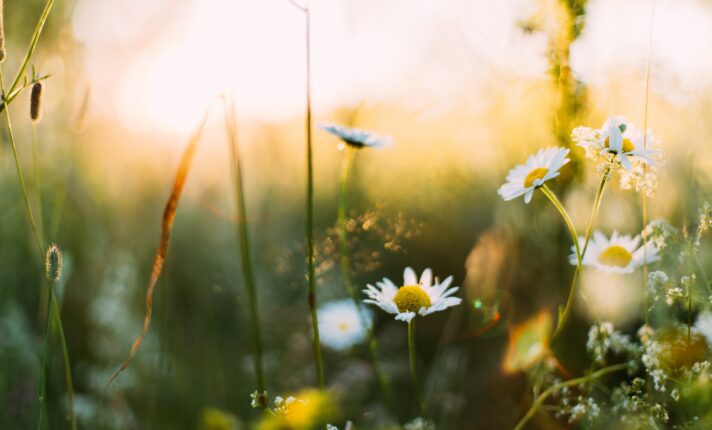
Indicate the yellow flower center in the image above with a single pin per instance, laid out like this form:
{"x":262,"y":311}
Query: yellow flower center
{"x":410,"y":298}
{"x":343,"y":326}
{"x":627,"y":144}
{"x":615,"y":255}
{"x":535,"y":174}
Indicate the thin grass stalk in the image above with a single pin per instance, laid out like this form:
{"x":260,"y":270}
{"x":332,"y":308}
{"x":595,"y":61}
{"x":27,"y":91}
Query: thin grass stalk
{"x":43,"y":370}
{"x":345,"y":265}
{"x":413,"y":367}
{"x":38,"y":186}
{"x":570,"y":383}
{"x":20,"y":177}
{"x":53,"y":306}
{"x":33,"y":45}
{"x":242,"y":233}
{"x":311,"y":284}
{"x":644,"y":197}
{"x":67,"y":368}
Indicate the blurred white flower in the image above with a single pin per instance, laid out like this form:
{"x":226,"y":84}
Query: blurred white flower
{"x":414,"y":297}
{"x":539,"y":168}
{"x":704,"y":325}
{"x":340,"y":325}
{"x":619,"y":254}
{"x":357,"y":138}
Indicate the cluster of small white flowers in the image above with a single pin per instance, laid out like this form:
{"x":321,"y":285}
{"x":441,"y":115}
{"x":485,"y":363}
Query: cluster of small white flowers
{"x":419,"y":424}
{"x":588,"y":138}
{"x":659,"y":232}
{"x":281,"y":404}
{"x":704,"y":222}
{"x":674,"y":293}
{"x":688,"y":280}
{"x":631,"y":404}
{"x":255,"y":398}
{"x":657,"y":281}
{"x":641,"y":178}
{"x":650,"y":357}
{"x":582,"y":407}
{"x":603,"y":338}
{"x":639,"y":172}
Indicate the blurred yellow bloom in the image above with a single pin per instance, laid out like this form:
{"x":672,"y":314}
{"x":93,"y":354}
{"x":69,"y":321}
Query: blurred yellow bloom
{"x":308,"y":409}
{"x":528,"y":343}
{"x":215,"y":419}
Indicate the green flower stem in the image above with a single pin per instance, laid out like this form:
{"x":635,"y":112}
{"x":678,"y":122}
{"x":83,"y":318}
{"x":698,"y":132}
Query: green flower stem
{"x":53,"y":305}
{"x":594,"y":210}
{"x":345,"y":265}
{"x":20,"y":178}
{"x":38,"y":186}
{"x":33,"y":45}
{"x":311,"y":284}
{"x":242,"y":234}
{"x":580,"y":251}
{"x":67,"y":369}
{"x":570,"y":383}
{"x":43,"y":370}
{"x":563,"y":315}
{"x":413,"y":368}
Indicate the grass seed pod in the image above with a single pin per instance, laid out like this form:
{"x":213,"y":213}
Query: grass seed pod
{"x":53,"y":263}
{"x":36,"y":102}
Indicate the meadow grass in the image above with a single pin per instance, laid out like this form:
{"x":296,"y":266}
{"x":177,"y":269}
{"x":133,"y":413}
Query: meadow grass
{"x":665,"y":352}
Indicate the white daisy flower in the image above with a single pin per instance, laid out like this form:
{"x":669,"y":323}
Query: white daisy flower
{"x":340,"y":324}
{"x":621,"y":139}
{"x":619,"y":254}
{"x":626,"y":140}
{"x":414,"y":297}
{"x":357,"y":138}
{"x":539,"y":168}
{"x":704,"y":325}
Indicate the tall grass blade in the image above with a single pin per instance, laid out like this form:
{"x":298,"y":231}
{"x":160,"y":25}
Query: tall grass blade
{"x":231,"y":124}
{"x":169,"y":215}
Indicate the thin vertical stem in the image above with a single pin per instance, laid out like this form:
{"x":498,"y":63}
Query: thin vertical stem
{"x":20,"y":178}
{"x":38,"y":186}
{"x":242,"y":233}
{"x":345,"y":265}
{"x":53,"y":306}
{"x":413,"y":368}
{"x":311,"y":298}
{"x":644,"y":209}
{"x":67,"y":369}
{"x":564,"y":315}
{"x":43,"y":369}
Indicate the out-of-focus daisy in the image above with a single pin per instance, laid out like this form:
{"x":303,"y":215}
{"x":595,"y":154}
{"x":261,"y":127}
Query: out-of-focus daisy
{"x":704,"y":325}
{"x":619,"y":254}
{"x":357,"y":138}
{"x":539,"y":168}
{"x":415,"y":297}
{"x":340,"y":324}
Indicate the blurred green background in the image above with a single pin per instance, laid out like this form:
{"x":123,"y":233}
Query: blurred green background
{"x":106,"y":176}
